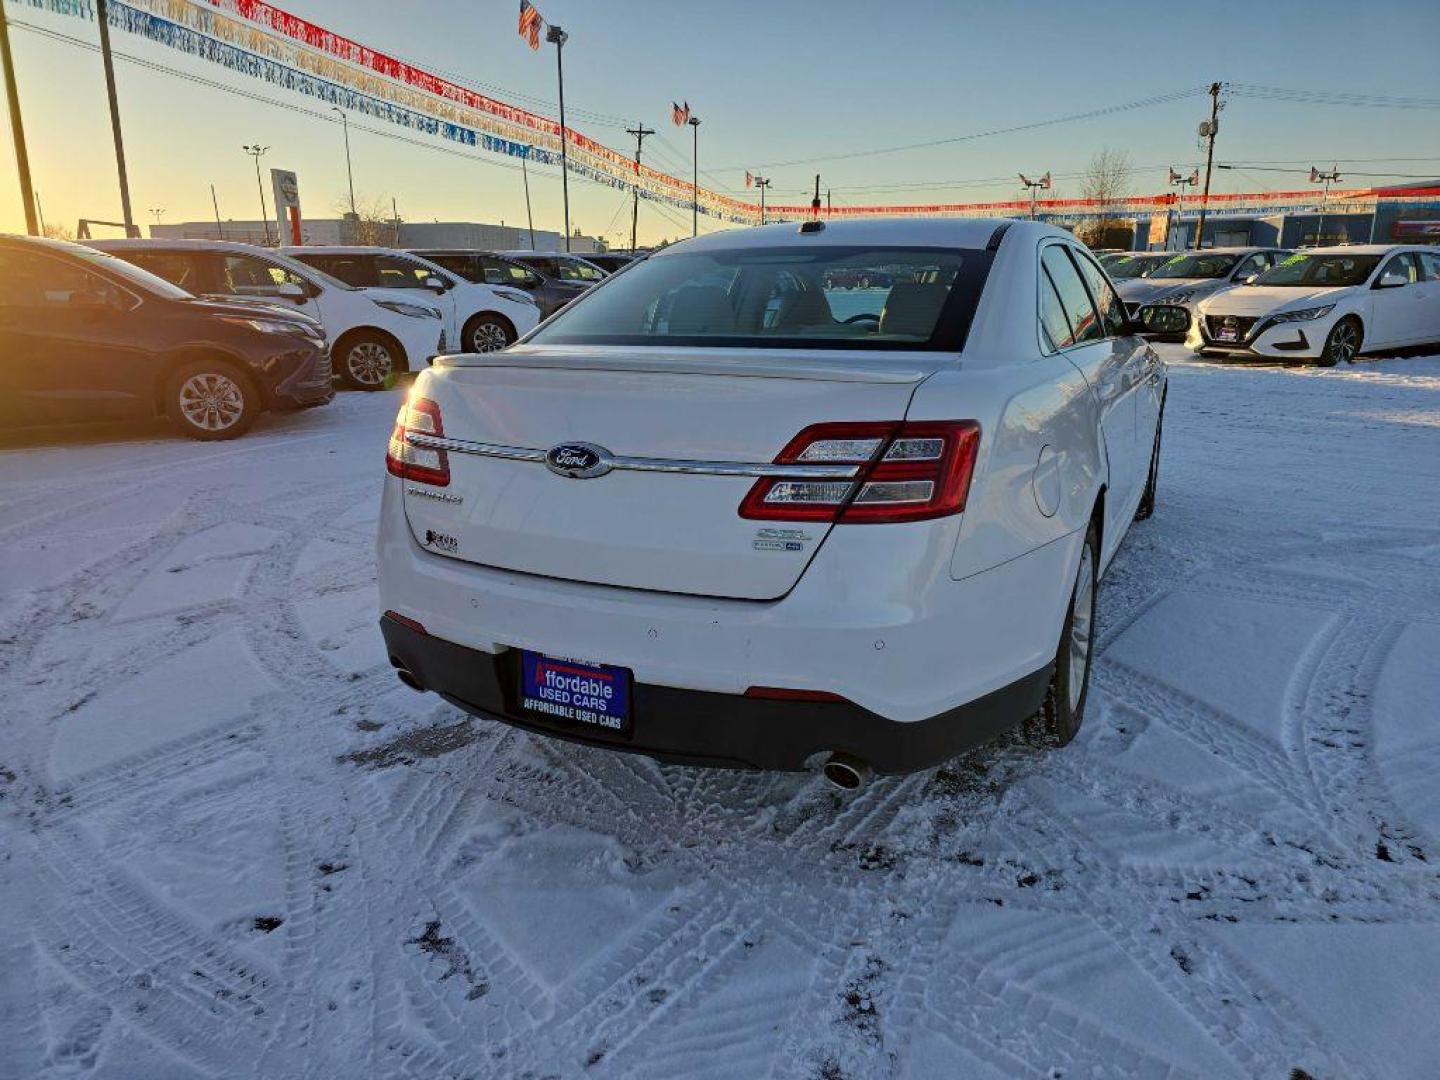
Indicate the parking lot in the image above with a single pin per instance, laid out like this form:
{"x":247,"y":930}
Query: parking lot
{"x":233,"y":844}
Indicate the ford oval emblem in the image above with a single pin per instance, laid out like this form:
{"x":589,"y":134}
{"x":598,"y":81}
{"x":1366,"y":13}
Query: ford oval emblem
{"x":578,"y":461}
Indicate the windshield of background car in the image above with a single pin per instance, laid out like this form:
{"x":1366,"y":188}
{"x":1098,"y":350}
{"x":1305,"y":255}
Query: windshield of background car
{"x":1130,"y":266}
{"x":823,"y":297}
{"x":573,"y":270}
{"x":1197,"y":266}
{"x":1320,"y":271}
{"x":130,"y":274}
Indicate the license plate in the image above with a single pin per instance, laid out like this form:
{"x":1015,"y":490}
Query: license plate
{"x":576,"y":691}
{"x":1227,"y":333}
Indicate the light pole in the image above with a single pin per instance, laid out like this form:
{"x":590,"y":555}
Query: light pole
{"x":17,"y":130}
{"x":1035,"y":186}
{"x":694,"y":123}
{"x":762,"y":183}
{"x":257,"y":152}
{"x":558,"y":37}
{"x":1176,"y":180}
{"x":349,"y":172}
{"x":102,"y":19}
{"x":159,"y":212}
{"x":525,"y":175}
{"x":1326,"y":178}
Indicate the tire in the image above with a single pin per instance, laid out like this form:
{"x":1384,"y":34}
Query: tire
{"x":366,"y":360}
{"x":1152,"y":480}
{"x":487,"y":333}
{"x":211,"y":400}
{"x":1060,"y":717}
{"x":1343,"y":343}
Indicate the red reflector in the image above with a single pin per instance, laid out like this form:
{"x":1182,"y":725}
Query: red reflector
{"x":424,"y":465}
{"x":409,"y":624}
{"x":784,"y":693}
{"x":903,"y":472}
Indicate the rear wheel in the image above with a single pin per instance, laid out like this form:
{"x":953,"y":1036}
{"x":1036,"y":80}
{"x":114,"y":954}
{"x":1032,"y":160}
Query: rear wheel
{"x":488,"y":333}
{"x":367,"y":360}
{"x":1060,"y":717}
{"x":211,"y":400}
{"x":1343,"y":344}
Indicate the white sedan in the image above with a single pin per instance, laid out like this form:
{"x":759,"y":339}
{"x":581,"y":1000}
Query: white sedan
{"x":476,"y":317}
{"x":701,"y":515}
{"x":1327,"y":305}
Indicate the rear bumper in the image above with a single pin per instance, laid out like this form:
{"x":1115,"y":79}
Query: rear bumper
{"x":698,"y":727}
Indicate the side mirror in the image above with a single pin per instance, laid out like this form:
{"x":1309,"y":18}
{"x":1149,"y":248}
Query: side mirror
{"x":436,"y":284}
{"x":1163,"y":320}
{"x":1393,"y":279}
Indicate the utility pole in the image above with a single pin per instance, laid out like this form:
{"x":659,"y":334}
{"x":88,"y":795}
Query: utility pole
{"x":349,"y":172}
{"x":558,"y":37}
{"x":219,"y":228}
{"x":525,"y":175}
{"x":827,"y":202}
{"x":1326,"y":178}
{"x":762,"y":183}
{"x":395,"y":219}
{"x":1208,"y":129}
{"x":815,"y":202}
{"x":17,"y":129}
{"x":102,"y":17}
{"x":694,"y":123}
{"x":40,"y":212}
{"x":257,"y":152}
{"x":639,"y":131}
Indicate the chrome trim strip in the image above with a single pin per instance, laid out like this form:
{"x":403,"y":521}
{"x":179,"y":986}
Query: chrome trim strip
{"x":641,"y":464}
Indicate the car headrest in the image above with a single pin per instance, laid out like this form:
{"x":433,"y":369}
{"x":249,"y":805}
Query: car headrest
{"x":701,"y":309}
{"x":805,"y":307}
{"x":913,"y":308}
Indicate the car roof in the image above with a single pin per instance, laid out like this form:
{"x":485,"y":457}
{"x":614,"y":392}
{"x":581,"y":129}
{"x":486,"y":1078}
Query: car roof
{"x":159,"y":243}
{"x":961,"y":233}
{"x":1363,"y":249}
{"x":341,"y":249}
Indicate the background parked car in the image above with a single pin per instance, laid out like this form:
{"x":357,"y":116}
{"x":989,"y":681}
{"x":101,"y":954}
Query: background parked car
{"x":374,"y":333}
{"x":476,"y":317}
{"x":1327,"y":305}
{"x":1127,"y":265}
{"x":1187,"y":278}
{"x":488,"y":268}
{"x":611,"y":261}
{"x":85,"y":336}
{"x":568,"y":274}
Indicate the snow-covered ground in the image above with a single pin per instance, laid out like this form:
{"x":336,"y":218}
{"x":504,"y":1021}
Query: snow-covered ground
{"x":231,"y":844}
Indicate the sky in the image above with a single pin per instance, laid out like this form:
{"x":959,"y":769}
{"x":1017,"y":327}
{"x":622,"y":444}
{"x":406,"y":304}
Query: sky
{"x":774,"y":83}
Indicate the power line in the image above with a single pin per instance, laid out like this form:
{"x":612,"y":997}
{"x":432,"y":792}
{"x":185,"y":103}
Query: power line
{"x":1332,"y":97}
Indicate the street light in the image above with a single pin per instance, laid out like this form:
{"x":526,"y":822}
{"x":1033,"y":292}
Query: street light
{"x":349,"y":172}
{"x":762,"y":183}
{"x":558,"y":37}
{"x":1326,"y":178}
{"x":257,"y":152}
{"x":694,"y":123}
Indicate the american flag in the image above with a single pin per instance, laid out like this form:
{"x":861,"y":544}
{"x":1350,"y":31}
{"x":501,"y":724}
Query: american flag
{"x":530,"y":23}
{"x":679,"y":114}
{"x":749,"y":179}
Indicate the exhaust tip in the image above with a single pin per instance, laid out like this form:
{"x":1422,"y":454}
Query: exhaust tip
{"x":408,"y":678}
{"x":845,"y":771}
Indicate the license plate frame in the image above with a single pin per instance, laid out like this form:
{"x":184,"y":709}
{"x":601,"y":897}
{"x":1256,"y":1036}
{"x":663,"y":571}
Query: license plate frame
{"x":576,"y":693}
{"x":1227,"y":333}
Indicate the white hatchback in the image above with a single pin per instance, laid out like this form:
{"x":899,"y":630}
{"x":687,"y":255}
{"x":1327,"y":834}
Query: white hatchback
{"x":1327,"y":305}
{"x":373,"y":334}
{"x":477,"y":317}
{"x":726,"y":509}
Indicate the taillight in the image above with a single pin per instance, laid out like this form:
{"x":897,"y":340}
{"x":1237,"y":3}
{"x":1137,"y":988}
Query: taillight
{"x":904,"y":472}
{"x":422,"y":464}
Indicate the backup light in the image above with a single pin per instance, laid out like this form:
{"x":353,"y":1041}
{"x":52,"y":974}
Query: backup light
{"x":418,"y":463}
{"x":904,"y":472}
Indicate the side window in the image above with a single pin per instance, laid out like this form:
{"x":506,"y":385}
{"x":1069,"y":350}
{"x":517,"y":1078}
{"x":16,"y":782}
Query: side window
{"x":500,"y":272}
{"x":245,"y":275}
{"x":175,"y":267}
{"x":1084,"y":323}
{"x":1255,"y":264}
{"x":28,"y":280}
{"x":357,"y":271}
{"x":1053,"y":323}
{"x":1112,"y":312}
{"x":1430,"y":264}
{"x":397,"y":273}
{"x":1405,"y":264}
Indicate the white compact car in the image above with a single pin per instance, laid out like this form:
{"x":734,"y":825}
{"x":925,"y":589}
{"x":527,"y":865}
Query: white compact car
{"x":1190,"y":276}
{"x":477,"y":317}
{"x":1327,"y":305}
{"x":715,"y":512}
{"x":372,"y":334}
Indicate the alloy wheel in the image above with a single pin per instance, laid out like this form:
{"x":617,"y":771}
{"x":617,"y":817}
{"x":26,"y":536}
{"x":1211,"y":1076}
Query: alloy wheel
{"x":368,"y":363}
{"x":1345,"y":343}
{"x":211,"y":401}
{"x":488,"y":337}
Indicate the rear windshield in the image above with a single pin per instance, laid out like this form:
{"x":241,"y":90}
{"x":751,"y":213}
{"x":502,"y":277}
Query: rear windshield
{"x":825,"y":297}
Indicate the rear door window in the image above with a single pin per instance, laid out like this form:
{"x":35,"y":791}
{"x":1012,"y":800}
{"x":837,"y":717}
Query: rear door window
{"x":1080,"y":313}
{"x":503,"y":272}
{"x":245,"y":275}
{"x":357,"y":271}
{"x":1430,"y":265}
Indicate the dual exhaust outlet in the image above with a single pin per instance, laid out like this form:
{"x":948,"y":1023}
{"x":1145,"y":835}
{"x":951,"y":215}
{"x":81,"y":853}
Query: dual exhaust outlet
{"x":846,"y":772}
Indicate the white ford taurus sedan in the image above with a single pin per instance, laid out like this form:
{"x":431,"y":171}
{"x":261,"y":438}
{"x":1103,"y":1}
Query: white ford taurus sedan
{"x":1327,"y":305}
{"x":721,"y":510}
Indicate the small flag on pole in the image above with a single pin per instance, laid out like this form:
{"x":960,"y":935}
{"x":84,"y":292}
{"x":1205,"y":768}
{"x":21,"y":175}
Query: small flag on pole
{"x":1045,"y":180}
{"x":679,"y":114}
{"x":530,"y":23}
{"x":749,"y":179}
